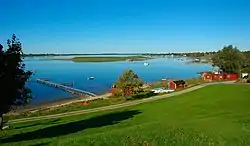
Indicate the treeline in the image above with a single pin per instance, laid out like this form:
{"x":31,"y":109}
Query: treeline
{"x":246,"y":54}
{"x":189,"y":54}
{"x":54,"y":54}
{"x":193,"y":54}
{"x":200,"y":54}
{"x":45,"y":54}
{"x":231,"y":60}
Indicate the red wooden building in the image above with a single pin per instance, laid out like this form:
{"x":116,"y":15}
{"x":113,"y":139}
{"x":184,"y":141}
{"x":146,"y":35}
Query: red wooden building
{"x":218,"y":77}
{"x":207,"y":76}
{"x":215,"y":77}
{"x":113,"y":89}
{"x":178,"y":84}
{"x":231,"y":76}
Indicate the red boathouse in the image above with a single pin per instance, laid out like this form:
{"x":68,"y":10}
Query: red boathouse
{"x":231,"y":76}
{"x":218,"y":76}
{"x":113,"y":89}
{"x":215,"y":77}
{"x":207,"y":76}
{"x":179,"y":84}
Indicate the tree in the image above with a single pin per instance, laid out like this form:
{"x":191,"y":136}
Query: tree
{"x":13,"y":78}
{"x":246,"y":67}
{"x":229,"y":59}
{"x":129,"y":81}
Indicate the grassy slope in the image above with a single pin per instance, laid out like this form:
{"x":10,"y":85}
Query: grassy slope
{"x":105,"y":59}
{"x":214,"y":115}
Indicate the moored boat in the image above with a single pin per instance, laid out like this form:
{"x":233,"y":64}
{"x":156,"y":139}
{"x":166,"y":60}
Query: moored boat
{"x":146,"y":63}
{"x":90,"y":78}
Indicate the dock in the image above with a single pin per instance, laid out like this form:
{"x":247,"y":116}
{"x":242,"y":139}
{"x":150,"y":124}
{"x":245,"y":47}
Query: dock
{"x":66,"y":88}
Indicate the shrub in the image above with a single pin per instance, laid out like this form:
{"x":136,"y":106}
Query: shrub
{"x":129,"y":97}
{"x":141,"y":95}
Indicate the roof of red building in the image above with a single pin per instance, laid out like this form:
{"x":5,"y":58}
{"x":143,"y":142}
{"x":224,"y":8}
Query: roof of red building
{"x":179,"y":82}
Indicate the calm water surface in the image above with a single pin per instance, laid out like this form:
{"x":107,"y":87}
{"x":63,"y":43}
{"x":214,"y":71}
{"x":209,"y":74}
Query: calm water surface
{"x":105,"y":73}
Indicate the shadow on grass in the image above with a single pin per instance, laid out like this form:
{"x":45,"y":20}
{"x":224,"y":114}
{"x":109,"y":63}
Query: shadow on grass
{"x":49,"y":122}
{"x":73,"y":127}
{"x":40,"y":144}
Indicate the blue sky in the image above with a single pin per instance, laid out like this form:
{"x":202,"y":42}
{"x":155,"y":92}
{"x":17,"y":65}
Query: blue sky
{"x":101,"y":26}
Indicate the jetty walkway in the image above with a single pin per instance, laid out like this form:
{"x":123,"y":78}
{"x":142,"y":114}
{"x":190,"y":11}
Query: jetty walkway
{"x":66,"y":88}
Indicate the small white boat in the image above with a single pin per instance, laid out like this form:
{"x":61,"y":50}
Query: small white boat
{"x":90,"y":78}
{"x":146,"y":63}
{"x":162,"y":90}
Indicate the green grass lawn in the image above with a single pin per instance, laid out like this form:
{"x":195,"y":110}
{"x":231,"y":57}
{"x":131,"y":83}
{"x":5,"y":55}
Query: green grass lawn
{"x":214,"y":115}
{"x":104,"y":59}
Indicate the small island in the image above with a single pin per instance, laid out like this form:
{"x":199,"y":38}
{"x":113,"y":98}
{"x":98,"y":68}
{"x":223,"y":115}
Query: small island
{"x":104,"y":58}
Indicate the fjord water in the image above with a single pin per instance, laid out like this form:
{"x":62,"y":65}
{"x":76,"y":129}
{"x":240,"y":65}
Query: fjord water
{"x":105,"y":74}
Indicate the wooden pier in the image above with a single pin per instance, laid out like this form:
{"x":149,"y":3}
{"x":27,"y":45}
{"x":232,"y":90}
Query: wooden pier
{"x":66,"y":88}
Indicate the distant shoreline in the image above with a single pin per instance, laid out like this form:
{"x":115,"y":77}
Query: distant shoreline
{"x":103,"y":59}
{"x":183,"y":54}
{"x":202,"y":62}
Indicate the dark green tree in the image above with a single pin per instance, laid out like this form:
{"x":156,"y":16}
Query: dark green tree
{"x":129,"y":81}
{"x":246,"y":67}
{"x":13,"y":78}
{"x":229,"y":59}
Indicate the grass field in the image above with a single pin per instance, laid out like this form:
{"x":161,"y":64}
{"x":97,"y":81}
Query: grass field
{"x":104,"y":59}
{"x":213,"y":115}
